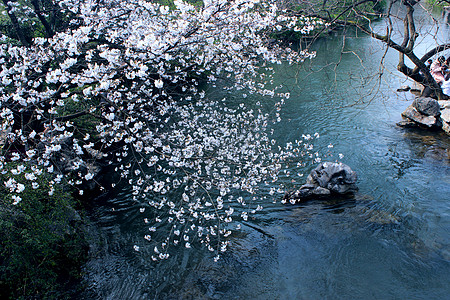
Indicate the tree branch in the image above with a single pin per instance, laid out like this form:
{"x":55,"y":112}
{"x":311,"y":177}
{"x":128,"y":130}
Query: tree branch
{"x":15,"y":24}
{"x":37,"y":9}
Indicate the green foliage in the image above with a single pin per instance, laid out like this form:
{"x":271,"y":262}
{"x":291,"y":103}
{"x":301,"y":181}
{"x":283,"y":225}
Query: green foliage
{"x":437,"y":4}
{"x":379,"y":6}
{"x":30,"y":26}
{"x":363,"y":12}
{"x":42,"y":247}
{"x":339,"y":10}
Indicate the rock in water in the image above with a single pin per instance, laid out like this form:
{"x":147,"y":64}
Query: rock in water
{"x":427,"y":112}
{"x":328,"y":178}
{"x":407,"y":123}
{"x":336,"y":177}
{"x":427,"y":106}
{"x":412,"y":114}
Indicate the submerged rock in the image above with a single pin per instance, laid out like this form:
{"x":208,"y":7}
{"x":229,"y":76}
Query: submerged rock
{"x":327,"y":179}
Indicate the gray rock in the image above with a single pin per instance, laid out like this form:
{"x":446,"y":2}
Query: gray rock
{"x":328,"y":178}
{"x":445,"y":115}
{"x":320,"y":191}
{"x":308,"y":186}
{"x":407,"y":123}
{"x":304,"y":191}
{"x":336,"y":177}
{"x":412,"y":114}
{"x":299,"y":194}
{"x":427,"y":106}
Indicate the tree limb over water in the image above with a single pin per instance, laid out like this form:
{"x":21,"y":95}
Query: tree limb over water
{"x":360,"y":14}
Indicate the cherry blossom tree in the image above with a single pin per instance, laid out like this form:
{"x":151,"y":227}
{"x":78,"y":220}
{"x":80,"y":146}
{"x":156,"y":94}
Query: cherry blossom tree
{"x":124,"y":83}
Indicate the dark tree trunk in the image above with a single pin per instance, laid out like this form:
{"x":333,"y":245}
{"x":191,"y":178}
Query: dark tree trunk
{"x":37,"y":9}
{"x":15,"y":23}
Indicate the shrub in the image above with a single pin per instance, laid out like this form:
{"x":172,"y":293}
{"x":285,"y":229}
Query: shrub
{"x":42,"y":246}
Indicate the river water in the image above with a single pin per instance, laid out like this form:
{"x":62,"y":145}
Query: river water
{"x":391,"y":242}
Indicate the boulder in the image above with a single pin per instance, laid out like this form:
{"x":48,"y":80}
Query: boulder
{"x":327,"y":179}
{"x":427,"y":106}
{"x":336,"y":177}
{"x":412,"y":114}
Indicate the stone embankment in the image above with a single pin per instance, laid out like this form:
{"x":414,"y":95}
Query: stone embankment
{"x":427,"y":113}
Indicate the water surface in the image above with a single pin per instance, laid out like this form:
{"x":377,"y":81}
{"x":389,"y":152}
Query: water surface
{"x":390,"y":242}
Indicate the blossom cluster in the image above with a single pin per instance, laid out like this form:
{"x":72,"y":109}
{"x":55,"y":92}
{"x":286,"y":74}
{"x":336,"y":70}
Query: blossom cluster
{"x":126,"y":84}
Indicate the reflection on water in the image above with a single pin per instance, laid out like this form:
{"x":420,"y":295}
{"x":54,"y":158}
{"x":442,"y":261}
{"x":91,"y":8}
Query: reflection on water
{"x":390,"y":242}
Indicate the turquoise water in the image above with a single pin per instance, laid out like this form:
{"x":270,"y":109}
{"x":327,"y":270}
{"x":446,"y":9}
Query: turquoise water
{"x":391,"y":242}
